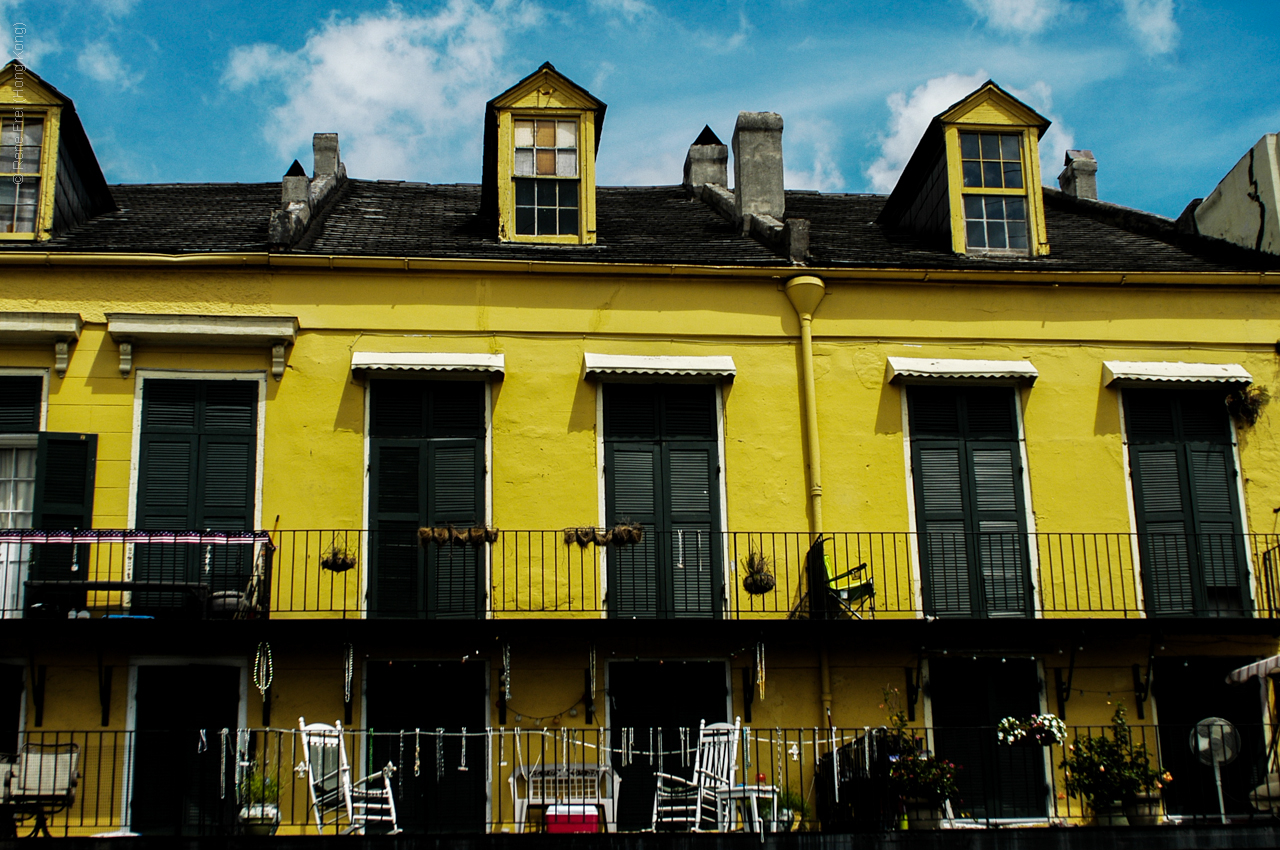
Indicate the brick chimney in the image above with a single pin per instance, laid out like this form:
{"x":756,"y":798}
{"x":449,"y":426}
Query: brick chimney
{"x":301,"y":199}
{"x":1079,"y":178}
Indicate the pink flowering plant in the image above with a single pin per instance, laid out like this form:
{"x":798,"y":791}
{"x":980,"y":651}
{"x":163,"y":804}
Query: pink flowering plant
{"x":913,"y":770}
{"x":1111,"y":767}
{"x":1041,"y":729}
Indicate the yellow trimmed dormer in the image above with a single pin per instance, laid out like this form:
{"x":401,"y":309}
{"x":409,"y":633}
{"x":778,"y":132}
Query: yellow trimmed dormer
{"x":974,"y":179}
{"x":49,"y":177}
{"x":541,"y":137}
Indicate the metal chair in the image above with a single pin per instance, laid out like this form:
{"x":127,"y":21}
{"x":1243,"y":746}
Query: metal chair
{"x":335,"y":798}
{"x":831,"y":597}
{"x":42,"y":782}
{"x":698,"y":804}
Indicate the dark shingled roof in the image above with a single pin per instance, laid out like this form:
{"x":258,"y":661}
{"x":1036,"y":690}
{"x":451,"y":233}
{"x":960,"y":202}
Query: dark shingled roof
{"x":656,"y":225}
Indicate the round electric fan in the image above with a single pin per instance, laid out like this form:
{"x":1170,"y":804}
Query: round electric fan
{"x":1216,"y":742}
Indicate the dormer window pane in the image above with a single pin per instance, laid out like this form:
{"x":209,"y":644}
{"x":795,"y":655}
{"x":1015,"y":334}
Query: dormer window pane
{"x":547,"y":163}
{"x":545,"y":134}
{"x":566,"y":134}
{"x":20,"y":145}
{"x":524,"y":134}
{"x":546,"y":207}
{"x":524,"y":163}
{"x":18,"y":205}
{"x":991,"y":160}
{"x":995,"y":222}
{"x":566,"y":163}
{"x":546,"y":149}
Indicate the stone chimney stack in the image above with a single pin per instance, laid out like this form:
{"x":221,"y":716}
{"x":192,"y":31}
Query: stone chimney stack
{"x":302,"y":199}
{"x":1080,"y":177}
{"x":757,"y":166}
{"x":707,"y":161}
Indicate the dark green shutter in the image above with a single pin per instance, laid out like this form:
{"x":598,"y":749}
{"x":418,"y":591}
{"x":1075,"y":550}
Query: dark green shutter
{"x":631,"y":493}
{"x":20,"y":403}
{"x":63,"y":501}
{"x":967,"y":466}
{"x":662,"y":471}
{"x":196,"y":472}
{"x":1185,"y":495}
{"x":427,"y":469}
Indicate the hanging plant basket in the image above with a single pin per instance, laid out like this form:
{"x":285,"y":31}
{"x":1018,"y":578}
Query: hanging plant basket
{"x":1245,"y":404}
{"x":337,"y":561}
{"x":759,"y":579}
{"x":623,"y":534}
{"x":448,"y":535}
{"x":627,"y":533}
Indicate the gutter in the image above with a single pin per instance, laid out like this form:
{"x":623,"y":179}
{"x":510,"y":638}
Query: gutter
{"x":1268,"y":278}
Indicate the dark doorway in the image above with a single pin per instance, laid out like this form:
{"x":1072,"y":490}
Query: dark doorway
{"x":11,"y":695}
{"x":969,"y":697}
{"x":177,"y":782}
{"x":407,"y":701}
{"x":1188,"y":690}
{"x":648,"y":696}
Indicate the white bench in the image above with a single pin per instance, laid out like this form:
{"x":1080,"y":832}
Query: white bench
{"x":582,"y":784}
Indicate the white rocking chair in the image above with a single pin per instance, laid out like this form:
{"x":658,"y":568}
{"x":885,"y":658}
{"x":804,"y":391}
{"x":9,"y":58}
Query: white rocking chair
{"x":336,"y":800}
{"x":695,"y":805}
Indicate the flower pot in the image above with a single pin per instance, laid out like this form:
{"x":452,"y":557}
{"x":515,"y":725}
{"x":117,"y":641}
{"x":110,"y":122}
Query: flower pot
{"x":260,"y":819}
{"x":757,"y":583}
{"x":922,"y":814}
{"x":1109,"y":814}
{"x":1143,"y":810}
{"x":1266,"y":797}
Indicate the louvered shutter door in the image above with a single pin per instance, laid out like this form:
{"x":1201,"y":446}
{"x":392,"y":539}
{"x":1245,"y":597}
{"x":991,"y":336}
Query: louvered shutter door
{"x":632,"y":495}
{"x":941,"y":520}
{"x":1163,"y":528}
{"x":694,"y":555}
{"x":63,"y":500}
{"x":1001,"y":547}
{"x":1218,"y":531}
{"x":454,"y":498}
{"x":20,"y":403}
{"x":227,"y":479}
{"x":169,"y":449}
{"x":396,"y":512}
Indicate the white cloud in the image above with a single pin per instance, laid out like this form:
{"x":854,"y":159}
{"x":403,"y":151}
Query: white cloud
{"x":629,"y":10}
{"x":908,"y":119}
{"x":1019,"y":17}
{"x":1152,"y":24}
{"x":99,"y":61}
{"x":911,"y":115}
{"x":811,"y":143}
{"x":116,"y":8}
{"x":728,"y":43}
{"x":405,"y":92}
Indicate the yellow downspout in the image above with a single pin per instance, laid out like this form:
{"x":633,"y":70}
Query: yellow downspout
{"x":805,"y":293}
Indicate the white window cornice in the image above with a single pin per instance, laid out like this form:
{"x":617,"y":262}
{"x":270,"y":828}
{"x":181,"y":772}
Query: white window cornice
{"x":1122,"y":373}
{"x":640,"y":366}
{"x":932,"y":369}
{"x":366,"y":362}
{"x":60,"y":329}
{"x":276,"y":332}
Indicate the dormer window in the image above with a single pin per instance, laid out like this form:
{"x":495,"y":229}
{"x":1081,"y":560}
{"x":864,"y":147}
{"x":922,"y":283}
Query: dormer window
{"x":21,"y":146}
{"x":546,"y":151}
{"x":973,"y":182}
{"x":540,"y":157}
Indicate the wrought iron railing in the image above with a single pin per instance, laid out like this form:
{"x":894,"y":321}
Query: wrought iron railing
{"x":194,"y":781}
{"x":686,"y":573}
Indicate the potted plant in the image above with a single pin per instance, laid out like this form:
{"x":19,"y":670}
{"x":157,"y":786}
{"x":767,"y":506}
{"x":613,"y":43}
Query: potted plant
{"x":759,"y":579}
{"x":793,"y":811}
{"x":1114,"y":776}
{"x":1039,"y":730}
{"x":260,"y":796}
{"x":337,"y":559}
{"x":921,"y":780}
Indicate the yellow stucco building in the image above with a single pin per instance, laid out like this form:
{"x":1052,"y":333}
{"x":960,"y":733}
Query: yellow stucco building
{"x":539,"y":472}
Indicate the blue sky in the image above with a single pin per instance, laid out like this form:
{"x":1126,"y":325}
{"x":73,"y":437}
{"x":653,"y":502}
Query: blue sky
{"x":1167,"y":93}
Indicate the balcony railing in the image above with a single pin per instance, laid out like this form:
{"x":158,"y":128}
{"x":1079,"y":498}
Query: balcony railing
{"x":694,"y":574}
{"x":194,"y":781}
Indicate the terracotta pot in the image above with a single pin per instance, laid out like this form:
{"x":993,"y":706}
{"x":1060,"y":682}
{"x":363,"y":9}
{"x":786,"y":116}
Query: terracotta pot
{"x":1109,"y":814}
{"x":1143,"y":810}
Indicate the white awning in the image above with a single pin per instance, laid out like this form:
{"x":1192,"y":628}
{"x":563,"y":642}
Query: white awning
{"x":1265,"y":667}
{"x":928,"y":368}
{"x":717,"y":366}
{"x":427,"y":361}
{"x":1128,"y":373}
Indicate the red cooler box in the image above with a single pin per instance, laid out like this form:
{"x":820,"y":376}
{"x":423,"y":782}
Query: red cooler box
{"x":565,"y":818}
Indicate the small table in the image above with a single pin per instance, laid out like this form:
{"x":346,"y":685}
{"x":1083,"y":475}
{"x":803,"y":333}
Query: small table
{"x":746,"y":799}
